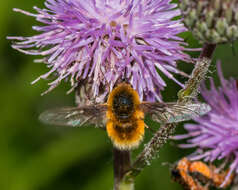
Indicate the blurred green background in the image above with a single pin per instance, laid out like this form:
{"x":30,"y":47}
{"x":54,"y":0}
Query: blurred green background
{"x":34,"y":156}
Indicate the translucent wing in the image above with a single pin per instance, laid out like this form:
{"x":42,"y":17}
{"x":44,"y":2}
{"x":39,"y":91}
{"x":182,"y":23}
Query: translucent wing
{"x":76,"y":116}
{"x":174,"y":112}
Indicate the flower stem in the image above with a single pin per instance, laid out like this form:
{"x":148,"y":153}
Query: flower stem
{"x":150,"y":150}
{"x":199,"y":73}
{"x":122,"y":163}
{"x":165,"y":131}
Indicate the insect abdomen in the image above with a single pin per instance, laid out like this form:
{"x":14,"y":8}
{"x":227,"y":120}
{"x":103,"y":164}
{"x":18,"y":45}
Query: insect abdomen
{"x":126,"y":136}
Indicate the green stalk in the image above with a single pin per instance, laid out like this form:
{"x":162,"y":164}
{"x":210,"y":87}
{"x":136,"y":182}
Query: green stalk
{"x":165,"y":131}
{"x":121,"y":164}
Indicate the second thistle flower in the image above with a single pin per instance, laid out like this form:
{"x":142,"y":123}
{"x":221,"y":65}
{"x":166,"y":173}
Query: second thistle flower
{"x":216,"y":135}
{"x":104,"y":41}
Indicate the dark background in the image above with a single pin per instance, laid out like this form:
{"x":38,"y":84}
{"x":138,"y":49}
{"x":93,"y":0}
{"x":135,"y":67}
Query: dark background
{"x":34,"y":156}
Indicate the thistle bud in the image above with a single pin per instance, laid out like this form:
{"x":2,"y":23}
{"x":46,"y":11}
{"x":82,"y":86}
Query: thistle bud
{"x":211,"y":21}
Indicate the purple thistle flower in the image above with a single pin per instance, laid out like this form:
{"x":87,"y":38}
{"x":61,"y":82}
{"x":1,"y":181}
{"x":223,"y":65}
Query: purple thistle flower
{"x":107,"y":40}
{"x":216,"y":135}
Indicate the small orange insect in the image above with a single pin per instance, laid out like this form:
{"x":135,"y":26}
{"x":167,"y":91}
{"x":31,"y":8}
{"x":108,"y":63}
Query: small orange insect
{"x":210,"y":174}
{"x":180,"y":174}
{"x":192,"y":174}
{"x":123,"y":115}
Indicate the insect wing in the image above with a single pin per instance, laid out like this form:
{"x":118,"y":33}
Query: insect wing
{"x":76,"y":116}
{"x":174,"y":112}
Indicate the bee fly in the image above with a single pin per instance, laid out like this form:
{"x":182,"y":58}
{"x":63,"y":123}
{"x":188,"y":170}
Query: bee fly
{"x":123,"y":115}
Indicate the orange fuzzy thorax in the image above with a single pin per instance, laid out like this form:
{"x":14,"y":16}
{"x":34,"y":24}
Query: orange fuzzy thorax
{"x":127,"y":134}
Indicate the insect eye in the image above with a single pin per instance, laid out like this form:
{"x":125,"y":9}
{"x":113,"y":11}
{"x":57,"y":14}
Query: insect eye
{"x":123,"y":100}
{"x":123,"y":105}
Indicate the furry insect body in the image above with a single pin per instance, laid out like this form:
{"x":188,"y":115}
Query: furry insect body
{"x":196,"y":175}
{"x":180,"y":174}
{"x":125,"y":120}
{"x":123,"y":115}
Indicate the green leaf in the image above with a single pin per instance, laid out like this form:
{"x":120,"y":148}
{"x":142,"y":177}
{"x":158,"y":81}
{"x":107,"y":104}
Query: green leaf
{"x":57,"y":156}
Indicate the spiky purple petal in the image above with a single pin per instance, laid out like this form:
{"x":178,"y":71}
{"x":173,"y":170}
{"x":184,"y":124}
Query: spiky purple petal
{"x":105,"y":41}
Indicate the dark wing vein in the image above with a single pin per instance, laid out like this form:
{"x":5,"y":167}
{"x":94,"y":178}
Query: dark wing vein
{"x":76,"y":116}
{"x":174,"y":112}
